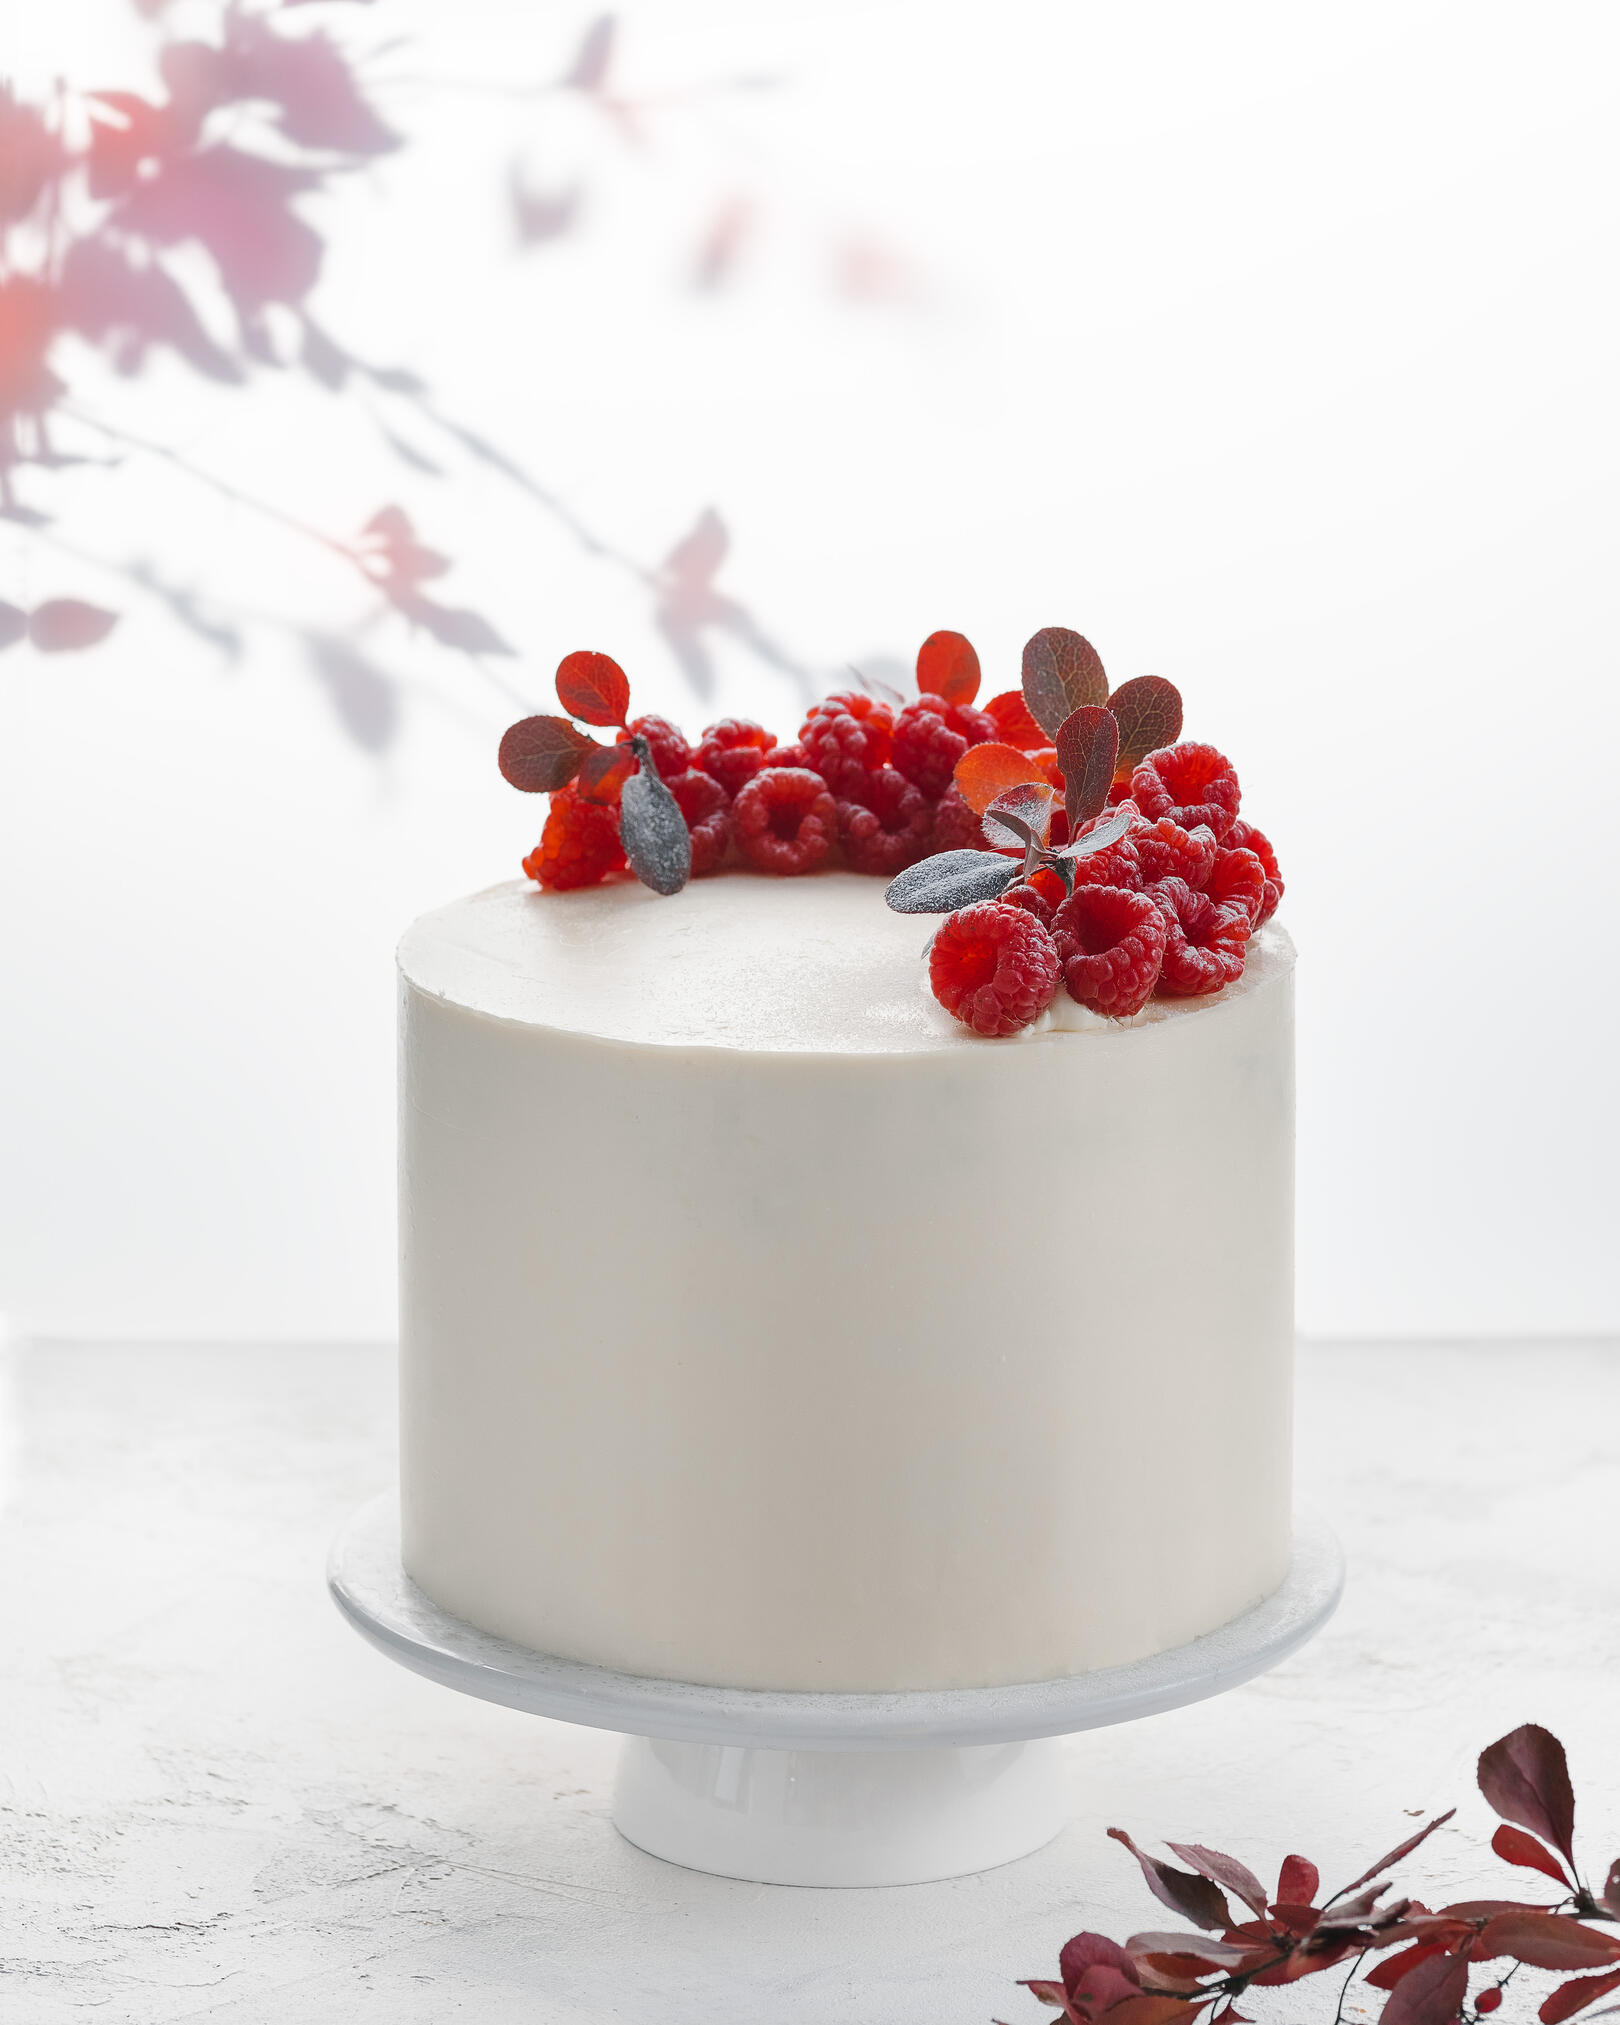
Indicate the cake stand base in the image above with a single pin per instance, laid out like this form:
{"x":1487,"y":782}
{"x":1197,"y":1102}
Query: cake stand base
{"x":840,"y":1817}
{"x":813,"y":1787}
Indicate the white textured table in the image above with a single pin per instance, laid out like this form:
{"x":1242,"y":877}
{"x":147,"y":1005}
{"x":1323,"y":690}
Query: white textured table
{"x":216,"y":1803}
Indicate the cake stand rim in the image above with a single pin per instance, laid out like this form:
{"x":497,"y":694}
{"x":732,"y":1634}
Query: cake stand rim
{"x":368,"y":1583}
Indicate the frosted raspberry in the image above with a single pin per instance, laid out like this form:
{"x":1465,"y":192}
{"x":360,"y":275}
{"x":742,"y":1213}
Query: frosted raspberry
{"x":579,"y":845}
{"x":889,"y":827}
{"x":995,"y":968}
{"x":733,"y":751}
{"x":846,"y":737}
{"x":1245,"y":837}
{"x":670,"y":751}
{"x":1164,"y":850}
{"x":1192,"y":783}
{"x":1014,"y":725}
{"x":1238,"y":879}
{"x":956,"y":827}
{"x":785,"y":820}
{"x":1204,"y":947}
{"x":1111,"y":944}
{"x":706,"y":807}
{"x":931,"y":735}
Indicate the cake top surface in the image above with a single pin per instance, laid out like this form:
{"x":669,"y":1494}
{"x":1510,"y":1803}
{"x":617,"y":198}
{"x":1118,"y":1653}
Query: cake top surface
{"x":813,"y":965}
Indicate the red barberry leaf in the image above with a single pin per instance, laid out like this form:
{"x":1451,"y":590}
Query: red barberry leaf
{"x":1393,"y":1968}
{"x":1545,"y":1940}
{"x":13,"y":625}
{"x":951,"y":879}
{"x":542,"y":754}
{"x":1083,"y":1952}
{"x":1148,"y":711}
{"x":1574,"y":1996}
{"x":1298,"y":1881}
{"x":68,"y":625}
{"x":1152,"y":2010}
{"x":1047,"y":1993}
{"x":1223,"y":1870}
{"x":1611,"y":1888}
{"x":603,"y":772}
{"x":593,"y":688}
{"x":1514,"y":1846}
{"x":1161,"y":1947}
{"x":1403,"y":1849}
{"x":947,"y":666}
{"x":1086,"y":742}
{"x":1432,"y":1994}
{"x":1013,"y":722}
{"x":1525,"y":1778}
{"x":1194,"y":1897}
{"x":1062,"y":673}
{"x":1023,"y":815}
{"x":985,"y":771}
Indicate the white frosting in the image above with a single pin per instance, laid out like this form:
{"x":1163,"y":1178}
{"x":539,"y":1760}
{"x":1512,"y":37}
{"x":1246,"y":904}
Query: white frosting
{"x":761,"y":1326}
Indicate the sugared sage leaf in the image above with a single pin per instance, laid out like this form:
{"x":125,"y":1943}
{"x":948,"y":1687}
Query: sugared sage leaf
{"x":951,"y":879}
{"x":1086,"y":742}
{"x":1023,"y":815}
{"x":948,"y":666}
{"x":652,"y":828}
{"x":1148,"y":710}
{"x":985,"y":771}
{"x":593,"y":688}
{"x":1103,"y":835}
{"x":542,"y":754}
{"x":1062,"y":673}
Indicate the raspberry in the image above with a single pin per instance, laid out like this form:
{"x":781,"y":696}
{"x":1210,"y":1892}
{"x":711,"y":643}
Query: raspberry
{"x":1032,"y":899}
{"x":1009,"y":713}
{"x":995,"y":968}
{"x":791,"y":755}
{"x":1193,"y":784}
{"x":733,"y":751}
{"x":579,"y":845}
{"x":706,"y":807}
{"x":1204,"y":949}
{"x":670,"y":751}
{"x":1115,"y":864}
{"x":1111,"y":944}
{"x":931,"y":735}
{"x":1245,"y":837}
{"x":1164,"y":850}
{"x":956,"y":827}
{"x":889,"y":827}
{"x":785,"y":819}
{"x":846,"y":737}
{"x":1238,"y":879}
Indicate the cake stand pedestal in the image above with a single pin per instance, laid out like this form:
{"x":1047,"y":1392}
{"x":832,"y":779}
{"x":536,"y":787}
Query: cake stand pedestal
{"x":815,"y":1788}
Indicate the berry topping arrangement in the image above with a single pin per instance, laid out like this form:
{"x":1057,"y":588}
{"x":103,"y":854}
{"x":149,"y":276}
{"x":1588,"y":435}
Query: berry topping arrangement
{"x":1068,"y":834}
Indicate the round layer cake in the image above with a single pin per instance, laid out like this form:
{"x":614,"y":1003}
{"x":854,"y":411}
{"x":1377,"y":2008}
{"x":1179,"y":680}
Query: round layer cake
{"x":762,"y":1327}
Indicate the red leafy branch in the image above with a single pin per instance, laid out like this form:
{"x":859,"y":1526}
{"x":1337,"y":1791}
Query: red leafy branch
{"x":1244,"y":1941}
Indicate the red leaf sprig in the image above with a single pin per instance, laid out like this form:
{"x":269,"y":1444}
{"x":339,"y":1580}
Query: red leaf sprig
{"x":1425,"y":1960}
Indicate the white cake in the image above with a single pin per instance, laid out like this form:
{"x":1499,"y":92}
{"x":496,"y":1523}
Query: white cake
{"x":763,"y":1327}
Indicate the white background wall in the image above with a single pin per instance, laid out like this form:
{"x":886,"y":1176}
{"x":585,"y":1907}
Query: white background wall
{"x":1272,"y":347}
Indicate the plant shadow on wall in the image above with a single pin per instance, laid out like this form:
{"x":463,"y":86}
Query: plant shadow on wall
{"x":1448,"y":1966}
{"x":177,"y":223}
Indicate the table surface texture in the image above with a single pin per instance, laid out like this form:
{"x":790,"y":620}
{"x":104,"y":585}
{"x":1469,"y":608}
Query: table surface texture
{"x":217,"y":1803}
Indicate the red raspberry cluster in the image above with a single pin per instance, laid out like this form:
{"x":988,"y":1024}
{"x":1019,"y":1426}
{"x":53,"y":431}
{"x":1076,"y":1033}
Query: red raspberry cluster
{"x":1165,"y":911}
{"x":865,"y":784}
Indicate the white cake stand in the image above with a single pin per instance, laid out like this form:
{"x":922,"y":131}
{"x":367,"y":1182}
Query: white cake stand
{"x":813,"y":1788}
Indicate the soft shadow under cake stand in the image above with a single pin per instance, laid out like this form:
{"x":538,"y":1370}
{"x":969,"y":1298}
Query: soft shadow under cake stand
{"x":814,"y":1788}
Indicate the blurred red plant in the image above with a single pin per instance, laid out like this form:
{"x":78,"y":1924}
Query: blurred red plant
{"x":138,"y":224}
{"x":1427,"y":1957}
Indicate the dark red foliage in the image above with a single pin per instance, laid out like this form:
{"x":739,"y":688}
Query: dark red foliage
{"x":948,"y":666}
{"x":1422,"y":1960}
{"x":593,"y":688}
{"x":1014,"y":725}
